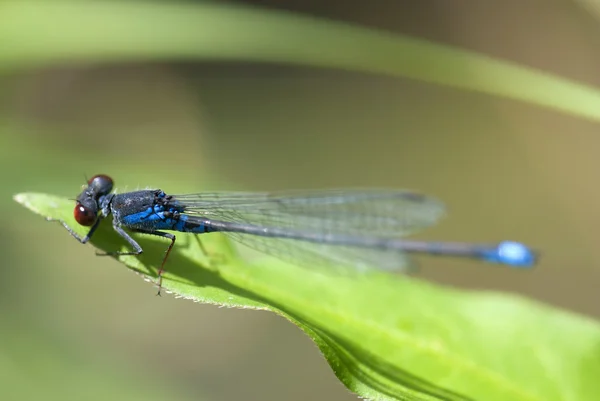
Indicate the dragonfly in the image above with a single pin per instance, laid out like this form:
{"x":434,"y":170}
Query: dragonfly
{"x":355,"y":229}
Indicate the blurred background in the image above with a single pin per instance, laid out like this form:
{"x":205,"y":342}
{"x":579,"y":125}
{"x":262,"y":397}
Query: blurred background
{"x":506,"y":170}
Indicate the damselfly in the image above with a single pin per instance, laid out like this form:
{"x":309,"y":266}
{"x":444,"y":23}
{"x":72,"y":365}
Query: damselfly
{"x":356,"y":229}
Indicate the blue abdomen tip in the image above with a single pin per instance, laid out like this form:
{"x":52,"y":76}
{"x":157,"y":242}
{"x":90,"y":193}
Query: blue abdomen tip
{"x":515,"y":254}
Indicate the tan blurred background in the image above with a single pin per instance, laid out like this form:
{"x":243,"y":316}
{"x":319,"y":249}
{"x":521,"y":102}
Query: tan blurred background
{"x":506,"y":170}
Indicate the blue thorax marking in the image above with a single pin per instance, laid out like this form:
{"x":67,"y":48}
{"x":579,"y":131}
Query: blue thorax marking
{"x":158,"y":214}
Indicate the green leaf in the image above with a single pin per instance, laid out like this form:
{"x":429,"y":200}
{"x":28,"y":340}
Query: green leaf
{"x":386,"y":337}
{"x":36,"y":34}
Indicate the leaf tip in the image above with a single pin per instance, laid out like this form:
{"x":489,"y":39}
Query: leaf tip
{"x":20,"y":198}
{"x":37,"y":203}
{"x":23,"y":199}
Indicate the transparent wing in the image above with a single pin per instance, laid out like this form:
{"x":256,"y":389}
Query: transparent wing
{"x":361,"y":213}
{"x":335,"y":258}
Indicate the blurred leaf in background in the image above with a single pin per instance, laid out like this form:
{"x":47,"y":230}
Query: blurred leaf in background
{"x":86,"y":90}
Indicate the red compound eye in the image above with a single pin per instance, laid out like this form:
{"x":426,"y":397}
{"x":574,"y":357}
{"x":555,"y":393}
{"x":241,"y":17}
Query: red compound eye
{"x":84,"y":215}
